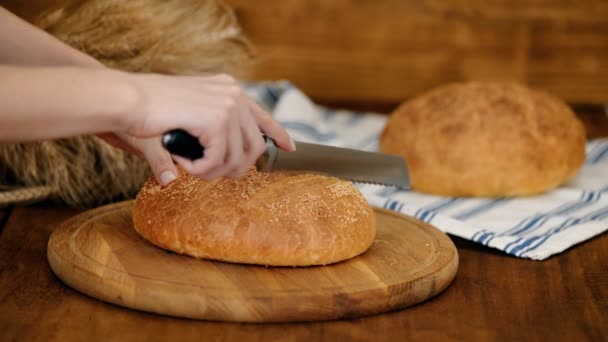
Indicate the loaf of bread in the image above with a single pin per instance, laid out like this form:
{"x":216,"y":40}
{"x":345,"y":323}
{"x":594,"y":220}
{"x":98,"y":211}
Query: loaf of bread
{"x":275,"y":219}
{"x":486,"y":139}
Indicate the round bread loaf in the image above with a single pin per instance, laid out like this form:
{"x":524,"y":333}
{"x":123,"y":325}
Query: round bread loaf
{"x":275,"y":219}
{"x":486,"y":139}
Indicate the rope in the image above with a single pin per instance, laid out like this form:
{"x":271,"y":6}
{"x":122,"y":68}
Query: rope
{"x":22,"y":196}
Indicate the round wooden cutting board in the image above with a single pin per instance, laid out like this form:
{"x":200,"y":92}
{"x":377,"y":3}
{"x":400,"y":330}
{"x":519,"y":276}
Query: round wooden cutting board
{"x":99,"y":253}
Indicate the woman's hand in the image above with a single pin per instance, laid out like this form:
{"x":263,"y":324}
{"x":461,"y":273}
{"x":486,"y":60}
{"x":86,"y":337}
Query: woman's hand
{"x":47,"y":103}
{"x":49,"y":90}
{"x":213,"y":108}
{"x":150,"y":149}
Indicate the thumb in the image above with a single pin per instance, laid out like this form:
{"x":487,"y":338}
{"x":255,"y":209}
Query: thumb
{"x":161,"y":163}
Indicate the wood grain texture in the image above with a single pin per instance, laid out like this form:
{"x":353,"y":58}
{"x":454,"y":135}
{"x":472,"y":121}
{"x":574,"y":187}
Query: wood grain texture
{"x":493,"y":297}
{"x":100,"y":254}
{"x":386,"y":51}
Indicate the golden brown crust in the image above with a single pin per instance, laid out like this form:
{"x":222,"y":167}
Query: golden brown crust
{"x":486,"y":139}
{"x":277,"y":219}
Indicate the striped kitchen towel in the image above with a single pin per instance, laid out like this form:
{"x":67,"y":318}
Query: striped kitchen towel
{"x":530,"y":227}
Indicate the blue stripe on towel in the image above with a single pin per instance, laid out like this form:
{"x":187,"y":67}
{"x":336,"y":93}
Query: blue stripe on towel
{"x":430,"y":218}
{"x":570,"y":222}
{"x":506,"y":248}
{"x":527,"y":223}
{"x":592,"y":149}
{"x":596,"y":215}
{"x":597,"y":150}
{"x":536,"y":221}
{"x":474,"y":237}
{"x":271,"y":96}
{"x":393,"y":205}
{"x":480,"y":209}
{"x":420,"y":214}
{"x":601,"y":155}
{"x":485,"y":238}
{"x":443,"y":204}
{"x":586,"y":198}
{"x":424,"y":215}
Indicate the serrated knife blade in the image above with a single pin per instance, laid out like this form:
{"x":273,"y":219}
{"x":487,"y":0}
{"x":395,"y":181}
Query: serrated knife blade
{"x":349,"y":164}
{"x":354,"y":165}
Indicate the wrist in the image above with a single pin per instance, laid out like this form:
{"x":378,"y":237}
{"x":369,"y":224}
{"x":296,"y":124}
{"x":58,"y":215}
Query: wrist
{"x":56,"y":102}
{"x":126,"y":100}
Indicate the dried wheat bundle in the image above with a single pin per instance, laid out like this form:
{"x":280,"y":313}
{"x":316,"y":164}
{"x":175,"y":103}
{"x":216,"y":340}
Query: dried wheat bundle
{"x":82,"y":171}
{"x":164,"y":36}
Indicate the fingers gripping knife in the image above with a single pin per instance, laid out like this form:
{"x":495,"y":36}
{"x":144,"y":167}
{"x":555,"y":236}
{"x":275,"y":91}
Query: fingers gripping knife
{"x":353,"y":165}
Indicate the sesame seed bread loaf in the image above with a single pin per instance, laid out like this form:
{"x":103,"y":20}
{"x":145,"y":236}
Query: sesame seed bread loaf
{"x":486,"y":139}
{"x":275,"y":219}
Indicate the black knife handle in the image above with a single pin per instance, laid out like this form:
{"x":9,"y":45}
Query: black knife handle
{"x":181,"y":143}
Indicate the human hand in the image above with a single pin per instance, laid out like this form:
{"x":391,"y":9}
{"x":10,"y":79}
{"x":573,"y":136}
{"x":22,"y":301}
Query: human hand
{"x":150,"y":149}
{"x":212,"y":108}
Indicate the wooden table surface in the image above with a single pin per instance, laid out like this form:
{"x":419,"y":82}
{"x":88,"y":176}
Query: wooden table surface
{"x":494,"y":297}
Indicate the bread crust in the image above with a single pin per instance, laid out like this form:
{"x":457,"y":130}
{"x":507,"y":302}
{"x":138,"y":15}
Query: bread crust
{"x":486,"y":139}
{"x":275,"y":219}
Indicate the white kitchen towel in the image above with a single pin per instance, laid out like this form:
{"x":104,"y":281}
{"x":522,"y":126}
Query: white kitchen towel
{"x":531,"y":227}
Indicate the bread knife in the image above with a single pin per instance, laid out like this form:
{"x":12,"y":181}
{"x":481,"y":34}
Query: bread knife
{"x":353,"y":165}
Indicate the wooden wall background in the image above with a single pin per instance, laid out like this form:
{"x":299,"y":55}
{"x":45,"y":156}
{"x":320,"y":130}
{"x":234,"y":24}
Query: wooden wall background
{"x":388,"y":50}
{"x":382,"y":51}
{"x":374,"y":54}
